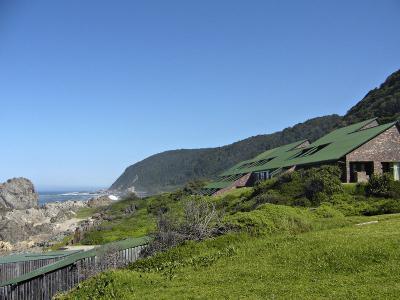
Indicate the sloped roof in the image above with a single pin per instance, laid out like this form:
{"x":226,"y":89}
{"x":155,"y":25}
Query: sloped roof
{"x":267,"y":160}
{"x":259,"y":163}
{"x":338,"y":143}
{"x":330,"y":147}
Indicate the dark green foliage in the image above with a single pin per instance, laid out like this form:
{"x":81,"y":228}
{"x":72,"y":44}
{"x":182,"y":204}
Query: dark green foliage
{"x":327,"y":210}
{"x":394,"y":189}
{"x":382,"y":102}
{"x":269,"y":219}
{"x":321,"y":183}
{"x":273,"y":197}
{"x":355,"y":188}
{"x":301,"y":188}
{"x":159,"y":205}
{"x":351,"y":205}
{"x":378,"y":185}
{"x":193,"y":187}
{"x":381,"y":206}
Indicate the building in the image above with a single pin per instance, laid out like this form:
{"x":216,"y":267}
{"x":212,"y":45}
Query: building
{"x":360,"y":150}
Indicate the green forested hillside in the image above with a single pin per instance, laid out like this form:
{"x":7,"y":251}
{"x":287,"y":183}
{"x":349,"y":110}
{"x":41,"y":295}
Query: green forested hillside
{"x":171,"y":169}
{"x":382,"y":102}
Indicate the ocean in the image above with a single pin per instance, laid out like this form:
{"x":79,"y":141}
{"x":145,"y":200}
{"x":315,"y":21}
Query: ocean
{"x":54,"y":196}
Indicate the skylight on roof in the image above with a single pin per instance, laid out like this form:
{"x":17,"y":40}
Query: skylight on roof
{"x":255,"y":163}
{"x":310,"y":151}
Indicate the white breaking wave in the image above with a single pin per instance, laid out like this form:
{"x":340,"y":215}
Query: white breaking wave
{"x":77,"y":194}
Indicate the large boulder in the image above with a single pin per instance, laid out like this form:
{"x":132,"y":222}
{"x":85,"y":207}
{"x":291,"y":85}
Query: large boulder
{"x":18,"y":193}
{"x":99,"y":201}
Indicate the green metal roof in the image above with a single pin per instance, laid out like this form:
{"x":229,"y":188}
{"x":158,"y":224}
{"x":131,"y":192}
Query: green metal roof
{"x":252,"y":165}
{"x":341,"y":132}
{"x":330,"y":147}
{"x":337,"y":144}
{"x":120,"y":245}
{"x":268,"y":160}
{"x":14,"y":258}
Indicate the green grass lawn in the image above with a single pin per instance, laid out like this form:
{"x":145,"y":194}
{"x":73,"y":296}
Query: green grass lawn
{"x":353,"y":262}
{"x":137,"y":225}
{"x":85,"y":212}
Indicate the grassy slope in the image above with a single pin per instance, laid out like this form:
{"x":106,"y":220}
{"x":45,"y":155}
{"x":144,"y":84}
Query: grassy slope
{"x":348,"y":262}
{"x":123,"y":225}
{"x":141,"y":222}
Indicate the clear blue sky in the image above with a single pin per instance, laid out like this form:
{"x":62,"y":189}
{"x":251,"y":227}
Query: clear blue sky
{"x":90,"y":87}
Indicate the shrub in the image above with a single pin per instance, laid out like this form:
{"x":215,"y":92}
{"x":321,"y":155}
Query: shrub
{"x":394,"y":189}
{"x":379,"y":185}
{"x":201,"y":220}
{"x":326,"y":210}
{"x":303,"y":201}
{"x":376,"y":206}
{"x":322,"y":182}
{"x":292,"y":184}
{"x":233,"y":201}
{"x":264,"y":186}
{"x":304,"y":187}
{"x":355,"y":188}
{"x":108,"y":258}
{"x":271,"y":196}
{"x":361,"y":189}
{"x":269,"y":219}
{"x":193,"y":187}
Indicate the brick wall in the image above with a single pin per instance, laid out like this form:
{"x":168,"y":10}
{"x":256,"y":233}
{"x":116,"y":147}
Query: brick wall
{"x":383,"y":148}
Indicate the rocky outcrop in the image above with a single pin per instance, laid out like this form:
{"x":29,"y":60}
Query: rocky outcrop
{"x":99,"y":201}
{"x":24,"y":225}
{"x":18,"y":193}
{"x":39,"y":224}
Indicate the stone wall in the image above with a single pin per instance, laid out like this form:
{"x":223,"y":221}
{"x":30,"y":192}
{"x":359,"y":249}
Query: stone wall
{"x":383,"y":148}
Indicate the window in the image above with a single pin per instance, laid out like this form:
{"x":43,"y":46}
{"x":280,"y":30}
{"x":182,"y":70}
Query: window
{"x":262,"y":175}
{"x":396,"y":171}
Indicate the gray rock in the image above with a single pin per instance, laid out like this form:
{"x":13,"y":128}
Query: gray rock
{"x":12,"y":231}
{"x":130,"y":209}
{"x":99,"y":201}
{"x":62,"y":216}
{"x":18,"y":193}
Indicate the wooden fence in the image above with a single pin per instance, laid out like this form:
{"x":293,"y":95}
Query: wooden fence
{"x":63,"y":275}
{"x":16,"y":265}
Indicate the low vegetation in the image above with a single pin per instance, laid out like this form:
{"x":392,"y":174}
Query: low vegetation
{"x":335,"y":263}
{"x":289,"y":237}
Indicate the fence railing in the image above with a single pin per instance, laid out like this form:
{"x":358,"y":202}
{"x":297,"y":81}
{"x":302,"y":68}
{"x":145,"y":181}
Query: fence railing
{"x":43,"y":283}
{"x":13,"y":266}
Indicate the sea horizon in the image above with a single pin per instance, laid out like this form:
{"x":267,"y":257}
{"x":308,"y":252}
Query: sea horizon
{"x":61,"y":195}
